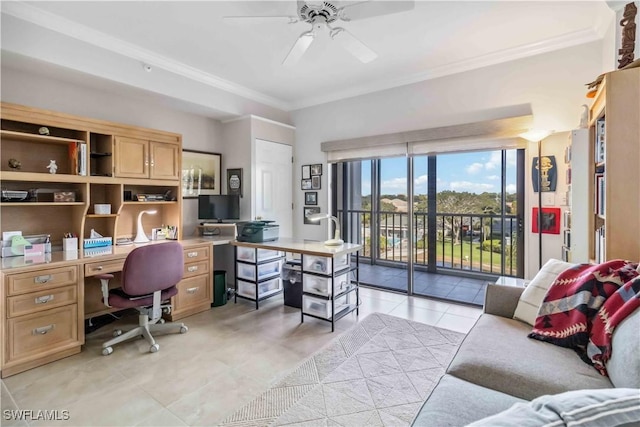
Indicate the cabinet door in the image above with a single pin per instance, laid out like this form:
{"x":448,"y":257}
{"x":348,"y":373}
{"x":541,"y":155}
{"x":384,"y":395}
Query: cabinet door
{"x":131,"y":158}
{"x":165,"y":160}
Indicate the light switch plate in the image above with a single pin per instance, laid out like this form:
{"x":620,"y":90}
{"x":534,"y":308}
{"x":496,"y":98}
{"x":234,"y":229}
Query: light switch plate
{"x":548,"y":199}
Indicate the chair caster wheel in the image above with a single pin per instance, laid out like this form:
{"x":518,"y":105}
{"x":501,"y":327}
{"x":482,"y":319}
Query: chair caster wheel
{"x":107,"y":351}
{"x":161,"y":321}
{"x":117,"y":333}
{"x":183,"y":329}
{"x":154,"y":348}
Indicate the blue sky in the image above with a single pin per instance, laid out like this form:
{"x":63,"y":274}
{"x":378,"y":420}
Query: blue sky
{"x":473,"y":172}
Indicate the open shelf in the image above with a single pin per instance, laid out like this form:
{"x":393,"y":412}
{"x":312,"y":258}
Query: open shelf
{"x":101,"y":215}
{"x":31,"y":137}
{"x":42,"y":203}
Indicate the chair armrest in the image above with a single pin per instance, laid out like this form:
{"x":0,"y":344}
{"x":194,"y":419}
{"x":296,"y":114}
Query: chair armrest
{"x":501,"y":300}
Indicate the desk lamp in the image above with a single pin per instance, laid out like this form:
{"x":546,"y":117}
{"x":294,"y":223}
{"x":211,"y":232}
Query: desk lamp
{"x":336,"y":241}
{"x":141,"y":237}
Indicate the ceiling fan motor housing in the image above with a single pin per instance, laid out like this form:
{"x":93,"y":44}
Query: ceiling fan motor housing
{"x":326,"y":13}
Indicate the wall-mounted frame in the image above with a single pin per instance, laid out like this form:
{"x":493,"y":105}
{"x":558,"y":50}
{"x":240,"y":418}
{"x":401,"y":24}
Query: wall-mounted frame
{"x":310,"y":210}
{"x":550,"y":220}
{"x":316,"y":169}
{"x":311,"y":198}
{"x":316,"y":182}
{"x":305,"y":184}
{"x":306,"y":172}
{"x":200,"y":173}
{"x":234,"y":181}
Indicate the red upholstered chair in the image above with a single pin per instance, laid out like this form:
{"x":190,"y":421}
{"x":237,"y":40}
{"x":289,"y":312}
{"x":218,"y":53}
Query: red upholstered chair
{"x":149,"y":277}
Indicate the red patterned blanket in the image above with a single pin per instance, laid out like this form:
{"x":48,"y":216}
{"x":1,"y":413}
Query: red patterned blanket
{"x":572,"y":302}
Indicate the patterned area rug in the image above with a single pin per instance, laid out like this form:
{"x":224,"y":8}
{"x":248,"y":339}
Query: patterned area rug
{"x":376,"y":374}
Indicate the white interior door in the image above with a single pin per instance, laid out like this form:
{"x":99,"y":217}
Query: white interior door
{"x":274,"y":176}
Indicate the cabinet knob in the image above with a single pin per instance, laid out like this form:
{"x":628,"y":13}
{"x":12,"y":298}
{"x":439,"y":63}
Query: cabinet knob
{"x":43,"y":330}
{"x":192,"y":268}
{"x":99,"y":268}
{"x":44,"y":299}
{"x":43,"y":279}
{"x":192,"y":290}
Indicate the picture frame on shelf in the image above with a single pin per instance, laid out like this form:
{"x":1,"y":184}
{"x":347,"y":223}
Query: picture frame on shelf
{"x":316,"y":169}
{"x":311,"y":198}
{"x":316,"y":182}
{"x":310,"y":210}
{"x":234,"y":181}
{"x":200,"y":173}
{"x":305,"y":184}
{"x":550,"y":220}
{"x":306,"y":171}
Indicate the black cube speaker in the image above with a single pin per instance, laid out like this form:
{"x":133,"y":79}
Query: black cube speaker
{"x":127,"y":196}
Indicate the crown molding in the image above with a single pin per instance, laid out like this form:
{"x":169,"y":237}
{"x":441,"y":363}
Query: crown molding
{"x":262,"y":119}
{"x":53,"y":22}
{"x":511,"y":54}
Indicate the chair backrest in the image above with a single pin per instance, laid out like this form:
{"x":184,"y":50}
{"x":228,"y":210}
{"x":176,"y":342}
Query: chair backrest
{"x":152,"y":268}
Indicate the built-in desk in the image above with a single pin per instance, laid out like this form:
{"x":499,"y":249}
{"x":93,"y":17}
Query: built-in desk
{"x":329,"y":280}
{"x":45,"y":300}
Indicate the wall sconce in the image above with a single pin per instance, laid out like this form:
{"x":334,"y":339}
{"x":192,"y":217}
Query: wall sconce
{"x":141,"y":237}
{"x":336,"y":241}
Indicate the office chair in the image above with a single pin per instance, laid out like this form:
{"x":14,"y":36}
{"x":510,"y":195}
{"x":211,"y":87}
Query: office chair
{"x":149,"y":277}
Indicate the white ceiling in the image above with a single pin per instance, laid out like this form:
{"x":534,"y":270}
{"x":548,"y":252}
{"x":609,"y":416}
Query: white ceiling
{"x":244,"y":58}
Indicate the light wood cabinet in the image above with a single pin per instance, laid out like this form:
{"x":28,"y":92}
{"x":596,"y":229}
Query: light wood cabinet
{"x":137,"y":158}
{"x":195,"y":289}
{"x":614,"y":205}
{"x":165,"y":161}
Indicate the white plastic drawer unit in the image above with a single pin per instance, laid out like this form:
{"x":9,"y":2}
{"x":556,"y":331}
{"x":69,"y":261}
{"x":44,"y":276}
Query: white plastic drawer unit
{"x":266,"y":288}
{"x":249,"y":254}
{"x":320,"y":264}
{"x":321,"y":285}
{"x":321,"y":307}
{"x":269,"y":269}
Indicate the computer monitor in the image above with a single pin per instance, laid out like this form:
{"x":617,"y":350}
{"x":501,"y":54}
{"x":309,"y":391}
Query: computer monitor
{"x":218,"y":208}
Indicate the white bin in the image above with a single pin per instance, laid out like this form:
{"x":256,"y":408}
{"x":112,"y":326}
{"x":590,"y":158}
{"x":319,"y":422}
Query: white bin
{"x":321,"y":285}
{"x":248,"y":271}
{"x":320,"y":264}
{"x":322,"y":307}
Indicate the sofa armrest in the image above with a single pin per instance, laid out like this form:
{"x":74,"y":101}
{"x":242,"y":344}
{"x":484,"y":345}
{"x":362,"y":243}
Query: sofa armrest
{"x":501,"y":300}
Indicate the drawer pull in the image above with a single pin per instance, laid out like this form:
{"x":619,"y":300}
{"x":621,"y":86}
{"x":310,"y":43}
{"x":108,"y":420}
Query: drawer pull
{"x":192,"y":290}
{"x":43,"y":330}
{"x":43,"y":279}
{"x":192,"y":268}
{"x":44,"y":299}
{"x":192,"y":254}
{"x":99,"y":268}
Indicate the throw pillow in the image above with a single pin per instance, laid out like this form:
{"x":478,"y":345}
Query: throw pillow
{"x":533,"y":294}
{"x":585,"y":408}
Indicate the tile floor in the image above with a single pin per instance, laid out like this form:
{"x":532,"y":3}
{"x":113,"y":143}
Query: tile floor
{"x":230,"y":354}
{"x":453,"y":288}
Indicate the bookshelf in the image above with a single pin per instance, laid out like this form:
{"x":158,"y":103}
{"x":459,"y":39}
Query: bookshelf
{"x":576,"y":217}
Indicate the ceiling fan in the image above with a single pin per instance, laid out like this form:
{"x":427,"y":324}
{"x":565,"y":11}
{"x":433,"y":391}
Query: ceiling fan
{"x":322,"y":14}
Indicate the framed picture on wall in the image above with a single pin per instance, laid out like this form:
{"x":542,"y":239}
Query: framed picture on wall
{"x":306,"y":172}
{"x":200,"y":173}
{"x":234,"y":181}
{"x":305,"y":184}
{"x":310,"y":210}
{"x":316,"y":182}
{"x":311,"y":198}
{"x":316,"y":169}
{"x":550,"y":220}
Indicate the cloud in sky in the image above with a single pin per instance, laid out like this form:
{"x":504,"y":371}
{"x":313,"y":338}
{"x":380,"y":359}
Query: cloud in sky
{"x":472,"y":187}
{"x":394,"y":186}
{"x":492,"y":177}
{"x":474,"y":168}
{"x":511,"y":188}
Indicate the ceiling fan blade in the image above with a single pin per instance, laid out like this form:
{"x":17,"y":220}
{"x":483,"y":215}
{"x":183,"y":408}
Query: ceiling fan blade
{"x":289,"y":19}
{"x":299,"y":48}
{"x":354,"y":46}
{"x":368,"y":9}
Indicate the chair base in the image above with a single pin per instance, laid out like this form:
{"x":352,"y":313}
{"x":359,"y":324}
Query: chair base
{"x":144,"y":329}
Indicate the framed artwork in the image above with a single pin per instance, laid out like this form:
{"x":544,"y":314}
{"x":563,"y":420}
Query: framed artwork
{"x":316,"y":182}
{"x":550,"y":220}
{"x":305,"y":184}
{"x":311,"y":198}
{"x":548,"y":171}
{"x":306,"y":172}
{"x":316,"y":169}
{"x":310,"y":210}
{"x":200,"y":173}
{"x":234,"y":181}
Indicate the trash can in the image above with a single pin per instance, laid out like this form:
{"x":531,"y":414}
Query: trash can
{"x":219,"y":288}
{"x":292,"y":282}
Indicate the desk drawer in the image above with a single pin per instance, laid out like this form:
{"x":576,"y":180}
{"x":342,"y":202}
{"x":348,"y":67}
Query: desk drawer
{"x":44,"y":332}
{"x":195,"y":268}
{"x":193,"y":291}
{"x":111,"y":266}
{"x":43,"y":300}
{"x":42,"y":279}
{"x":198,"y":253}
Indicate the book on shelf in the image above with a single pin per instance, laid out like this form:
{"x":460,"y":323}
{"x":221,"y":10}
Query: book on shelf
{"x":82,"y":162}
{"x":567,"y":238}
{"x":78,"y":158}
{"x":600,"y":141}
{"x":566,"y":254}
{"x":599,"y":245}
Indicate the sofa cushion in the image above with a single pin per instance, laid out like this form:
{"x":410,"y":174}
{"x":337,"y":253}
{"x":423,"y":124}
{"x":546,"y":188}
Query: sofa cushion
{"x":586,"y":408}
{"x":624,"y":365}
{"x":533,"y":294}
{"x":455,"y":402}
{"x":497,"y":354}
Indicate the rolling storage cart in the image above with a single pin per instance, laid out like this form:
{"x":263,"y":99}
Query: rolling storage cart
{"x":258,"y":273}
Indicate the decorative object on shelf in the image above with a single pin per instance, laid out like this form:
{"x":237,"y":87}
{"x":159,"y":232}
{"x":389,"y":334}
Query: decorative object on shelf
{"x":316,"y":169}
{"x":44,"y":131}
{"x":308,"y":211}
{"x":311,"y":198}
{"x":52,"y":166}
{"x":200,"y":173}
{"x":550,"y":220}
{"x":336,"y":240}
{"x":628,"y":33}
{"x":316,"y":182}
{"x":584,"y":117}
{"x":234,"y":181}
{"x":305,"y":184}
{"x":14,"y":164}
{"x":141,"y":237}
{"x":306,"y":171}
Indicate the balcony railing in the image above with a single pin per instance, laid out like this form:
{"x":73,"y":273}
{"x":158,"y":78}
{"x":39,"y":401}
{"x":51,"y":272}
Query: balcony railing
{"x":480,"y":243}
